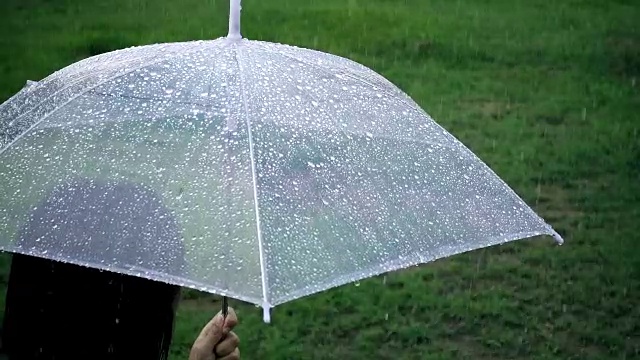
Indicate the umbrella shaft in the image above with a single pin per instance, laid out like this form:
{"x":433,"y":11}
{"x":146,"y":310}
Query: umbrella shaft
{"x":234,"y":20}
{"x":225,"y":307}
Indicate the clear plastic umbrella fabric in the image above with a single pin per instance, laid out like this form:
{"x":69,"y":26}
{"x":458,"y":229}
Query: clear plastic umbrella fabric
{"x":286,"y":171}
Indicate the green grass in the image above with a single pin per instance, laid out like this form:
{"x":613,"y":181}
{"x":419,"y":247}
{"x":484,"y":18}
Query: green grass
{"x":545,"y":92}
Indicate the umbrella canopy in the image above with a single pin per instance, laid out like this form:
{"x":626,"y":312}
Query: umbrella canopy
{"x":289,"y":170}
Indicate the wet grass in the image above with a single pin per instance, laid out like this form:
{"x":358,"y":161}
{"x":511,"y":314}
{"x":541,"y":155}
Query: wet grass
{"x":545,"y":92}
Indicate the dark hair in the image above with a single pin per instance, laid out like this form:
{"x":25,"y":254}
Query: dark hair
{"x":61,"y":310}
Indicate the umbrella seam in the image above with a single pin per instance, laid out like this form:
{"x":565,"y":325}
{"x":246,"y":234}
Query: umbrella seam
{"x":266,"y":305}
{"x":2,"y":150}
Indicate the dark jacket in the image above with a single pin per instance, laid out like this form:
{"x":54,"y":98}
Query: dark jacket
{"x":57,"y":310}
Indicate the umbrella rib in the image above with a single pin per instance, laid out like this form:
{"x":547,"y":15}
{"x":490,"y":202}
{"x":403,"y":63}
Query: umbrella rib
{"x":266,"y":305}
{"x":2,"y":150}
{"x":413,"y":259}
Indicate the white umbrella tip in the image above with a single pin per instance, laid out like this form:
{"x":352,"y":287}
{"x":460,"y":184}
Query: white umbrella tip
{"x":266,"y":313}
{"x":234,"y":20}
{"x":558,"y":238}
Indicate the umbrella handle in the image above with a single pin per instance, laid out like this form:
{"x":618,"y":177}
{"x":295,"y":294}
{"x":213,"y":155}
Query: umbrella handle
{"x":225,"y":307}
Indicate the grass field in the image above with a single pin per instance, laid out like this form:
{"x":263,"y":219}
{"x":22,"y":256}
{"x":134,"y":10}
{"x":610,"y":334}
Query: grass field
{"x":547,"y":93}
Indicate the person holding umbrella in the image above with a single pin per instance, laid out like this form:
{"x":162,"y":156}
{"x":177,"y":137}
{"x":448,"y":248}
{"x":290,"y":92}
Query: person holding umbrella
{"x":56,"y":309}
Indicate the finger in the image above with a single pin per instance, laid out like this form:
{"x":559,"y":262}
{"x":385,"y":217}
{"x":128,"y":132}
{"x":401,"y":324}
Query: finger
{"x":227,"y":345}
{"x":198,"y":353}
{"x":231,"y":321}
{"x":235,"y":355}
{"x":216,"y":329}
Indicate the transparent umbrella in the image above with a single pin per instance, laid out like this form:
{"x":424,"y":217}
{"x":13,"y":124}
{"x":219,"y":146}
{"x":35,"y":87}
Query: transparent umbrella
{"x":289,"y":171}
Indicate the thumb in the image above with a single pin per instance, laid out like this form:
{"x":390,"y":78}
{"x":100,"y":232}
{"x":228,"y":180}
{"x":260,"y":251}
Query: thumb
{"x":215,"y":330}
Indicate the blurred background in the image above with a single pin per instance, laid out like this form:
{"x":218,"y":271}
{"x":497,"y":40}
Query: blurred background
{"x":546,"y":93}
